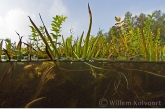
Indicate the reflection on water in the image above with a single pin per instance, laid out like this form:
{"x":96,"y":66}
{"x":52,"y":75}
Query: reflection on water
{"x":82,"y":84}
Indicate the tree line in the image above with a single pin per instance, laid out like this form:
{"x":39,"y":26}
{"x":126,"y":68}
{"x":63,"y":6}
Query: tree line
{"x":139,"y":20}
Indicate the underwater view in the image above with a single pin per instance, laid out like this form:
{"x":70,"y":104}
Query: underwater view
{"x":82,"y":84}
{"x":124,"y":69}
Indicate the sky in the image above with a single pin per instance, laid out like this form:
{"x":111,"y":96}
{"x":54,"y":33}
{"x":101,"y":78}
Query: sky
{"x":14,"y":15}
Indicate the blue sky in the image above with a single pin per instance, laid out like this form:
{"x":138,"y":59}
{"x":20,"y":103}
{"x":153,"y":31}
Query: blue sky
{"x":13,"y":14}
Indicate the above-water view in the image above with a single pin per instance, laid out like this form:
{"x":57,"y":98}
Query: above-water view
{"x":123,"y":68}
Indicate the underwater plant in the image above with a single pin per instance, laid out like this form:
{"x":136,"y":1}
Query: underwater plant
{"x":32,"y":102}
{"x":48,"y":73}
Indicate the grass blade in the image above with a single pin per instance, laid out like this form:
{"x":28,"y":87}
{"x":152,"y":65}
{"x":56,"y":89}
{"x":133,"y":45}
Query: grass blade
{"x":20,"y":42}
{"x":50,"y":39}
{"x":42,"y":37}
{"x":79,"y":45}
{"x":88,"y":34}
{"x":144,"y":44}
{"x":65,"y":46}
{"x":94,"y":47}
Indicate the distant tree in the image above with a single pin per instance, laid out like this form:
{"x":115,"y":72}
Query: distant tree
{"x":108,"y":34}
{"x":138,"y":21}
{"x":100,"y":32}
{"x":159,"y":22}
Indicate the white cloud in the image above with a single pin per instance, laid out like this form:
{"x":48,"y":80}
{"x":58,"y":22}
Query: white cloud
{"x":137,"y":10}
{"x":15,"y":20}
{"x":58,"y":8}
{"x":2,"y":27}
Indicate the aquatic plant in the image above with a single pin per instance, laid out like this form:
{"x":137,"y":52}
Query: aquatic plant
{"x":6,"y":73}
{"x":1,"y":44}
{"x":114,"y":79}
{"x":136,"y":42}
{"x":84,"y":52}
{"x":129,"y":43}
{"x":48,"y":73}
{"x":88,"y":34}
{"x":56,"y":26}
{"x":32,"y":102}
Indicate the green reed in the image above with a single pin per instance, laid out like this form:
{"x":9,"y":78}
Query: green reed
{"x":88,"y":34}
{"x":78,"y":50}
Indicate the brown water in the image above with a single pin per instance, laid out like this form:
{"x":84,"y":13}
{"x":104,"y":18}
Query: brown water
{"x":82,"y":84}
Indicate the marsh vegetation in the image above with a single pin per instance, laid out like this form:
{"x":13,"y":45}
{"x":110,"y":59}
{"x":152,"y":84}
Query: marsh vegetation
{"x":47,"y":73}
